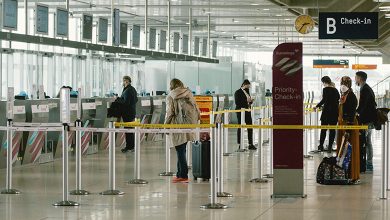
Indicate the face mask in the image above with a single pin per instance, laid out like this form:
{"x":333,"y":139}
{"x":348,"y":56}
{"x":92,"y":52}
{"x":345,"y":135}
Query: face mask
{"x":344,"y":88}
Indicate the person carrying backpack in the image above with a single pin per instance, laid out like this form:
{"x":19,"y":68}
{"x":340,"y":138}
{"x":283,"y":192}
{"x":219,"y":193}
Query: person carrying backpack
{"x":181,"y":108}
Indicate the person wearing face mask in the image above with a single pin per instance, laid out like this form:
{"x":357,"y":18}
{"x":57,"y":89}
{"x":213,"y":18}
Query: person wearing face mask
{"x":347,"y":116}
{"x":244,"y":100}
{"x":366,"y":116}
{"x":329,"y":104}
{"x":128,"y":100}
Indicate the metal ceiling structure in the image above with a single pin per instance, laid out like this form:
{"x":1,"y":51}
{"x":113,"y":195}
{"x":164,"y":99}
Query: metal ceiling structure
{"x":250,"y":25}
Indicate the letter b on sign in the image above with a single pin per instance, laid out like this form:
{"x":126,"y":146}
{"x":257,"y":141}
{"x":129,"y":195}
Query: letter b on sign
{"x":330,"y":25}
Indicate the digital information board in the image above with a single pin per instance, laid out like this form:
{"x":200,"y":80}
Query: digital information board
{"x":123,"y":35}
{"x":152,"y":38}
{"x":176,"y":42}
{"x":204,"y":47}
{"x":136,"y":35}
{"x":62,"y":22}
{"x":103,"y":28}
{"x":10,"y":14}
{"x":185,"y":43}
{"x":87,"y":26}
{"x":116,"y":36}
{"x":163,"y":40}
{"x":319,"y":64}
{"x":196,"y":46}
{"x":215,"y":46}
{"x":42,"y":19}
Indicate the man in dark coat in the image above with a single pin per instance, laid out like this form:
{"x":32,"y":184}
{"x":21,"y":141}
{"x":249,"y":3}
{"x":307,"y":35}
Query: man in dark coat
{"x":366,"y":114}
{"x":244,"y":100}
{"x":128,"y":101}
{"x":329,"y":104}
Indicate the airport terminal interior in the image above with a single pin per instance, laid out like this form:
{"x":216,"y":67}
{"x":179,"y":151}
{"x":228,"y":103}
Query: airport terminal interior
{"x":62,"y":67}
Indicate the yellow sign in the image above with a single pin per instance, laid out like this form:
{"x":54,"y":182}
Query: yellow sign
{"x":364,"y":66}
{"x":205,"y":104}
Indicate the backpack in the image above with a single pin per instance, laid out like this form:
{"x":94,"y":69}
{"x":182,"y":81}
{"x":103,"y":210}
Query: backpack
{"x":186,"y":112}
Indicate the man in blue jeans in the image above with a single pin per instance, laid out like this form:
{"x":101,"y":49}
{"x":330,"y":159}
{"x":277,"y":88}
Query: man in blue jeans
{"x":367,"y":115}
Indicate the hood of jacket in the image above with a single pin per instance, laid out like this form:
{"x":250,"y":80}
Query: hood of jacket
{"x":179,"y":93}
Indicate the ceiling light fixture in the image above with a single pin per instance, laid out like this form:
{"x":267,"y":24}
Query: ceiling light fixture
{"x":278,"y":15}
{"x":266,"y":9}
{"x":255,"y":4}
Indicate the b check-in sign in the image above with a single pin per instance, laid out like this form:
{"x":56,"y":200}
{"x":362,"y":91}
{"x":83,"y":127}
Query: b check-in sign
{"x":349,"y":25}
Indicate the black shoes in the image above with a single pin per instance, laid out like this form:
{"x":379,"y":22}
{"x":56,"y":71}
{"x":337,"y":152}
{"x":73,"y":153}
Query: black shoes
{"x":320,"y":148}
{"x":125,"y":150}
{"x":252,"y":147}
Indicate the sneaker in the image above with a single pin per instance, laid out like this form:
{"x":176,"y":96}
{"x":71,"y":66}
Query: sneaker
{"x":252,"y":147}
{"x":125,"y":150}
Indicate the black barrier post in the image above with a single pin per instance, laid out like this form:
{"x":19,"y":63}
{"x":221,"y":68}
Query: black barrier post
{"x":137,"y":156}
{"x":78,"y":190}
{"x":111,"y":161}
{"x":8,"y":185}
{"x":65,"y":169}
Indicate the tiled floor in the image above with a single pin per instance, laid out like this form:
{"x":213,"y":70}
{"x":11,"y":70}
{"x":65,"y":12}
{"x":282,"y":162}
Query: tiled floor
{"x":160,"y":199}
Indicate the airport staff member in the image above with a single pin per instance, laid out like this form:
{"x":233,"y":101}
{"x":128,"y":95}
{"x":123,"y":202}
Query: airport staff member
{"x":128,"y":99}
{"x":244,"y":100}
{"x":366,"y":115}
{"x":329,"y":116}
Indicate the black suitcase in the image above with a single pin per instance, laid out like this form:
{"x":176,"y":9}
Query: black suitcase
{"x":201,"y":160}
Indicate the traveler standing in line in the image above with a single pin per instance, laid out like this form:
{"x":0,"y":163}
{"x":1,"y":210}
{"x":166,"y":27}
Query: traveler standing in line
{"x":347,"y":116}
{"x":244,"y":100}
{"x":329,"y":104}
{"x":181,"y":108}
{"x":128,"y":101}
{"x":366,"y":114}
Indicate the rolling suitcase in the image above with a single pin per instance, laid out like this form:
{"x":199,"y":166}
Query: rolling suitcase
{"x":201,"y":160}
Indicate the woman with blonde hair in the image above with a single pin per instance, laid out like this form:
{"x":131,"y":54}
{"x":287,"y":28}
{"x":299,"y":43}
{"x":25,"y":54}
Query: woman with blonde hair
{"x":181,"y":109}
{"x":347,"y":116}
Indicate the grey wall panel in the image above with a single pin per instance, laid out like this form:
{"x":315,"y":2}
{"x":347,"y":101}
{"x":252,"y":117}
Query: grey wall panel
{"x":215,"y":78}
{"x":156,"y":76}
{"x":187,"y":72}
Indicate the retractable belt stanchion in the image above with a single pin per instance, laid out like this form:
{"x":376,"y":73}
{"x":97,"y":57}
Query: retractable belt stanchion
{"x":8,"y":187}
{"x":65,"y":169}
{"x":226,"y":135}
{"x":78,"y":190}
{"x":213,"y":198}
{"x":221,"y":192}
{"x":309,"y":136}
{"x":260,"y":178}
{"x":137,"y":166}
{"x":242,"y":144}
{"x":111,"y":161}
{"x":385,"y":141}
{"x":271,"y":153}
{"x":167,"y":171}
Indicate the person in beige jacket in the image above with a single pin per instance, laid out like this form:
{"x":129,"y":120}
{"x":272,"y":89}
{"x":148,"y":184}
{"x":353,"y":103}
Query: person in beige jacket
{"x":181,"y":108}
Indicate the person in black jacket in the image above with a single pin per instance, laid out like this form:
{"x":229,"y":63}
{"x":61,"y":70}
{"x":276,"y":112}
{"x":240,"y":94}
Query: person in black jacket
{"x":366,"y":114}
{"x":244,"y":100}
{"x":329,"y":104}
{"x":128,"y":100}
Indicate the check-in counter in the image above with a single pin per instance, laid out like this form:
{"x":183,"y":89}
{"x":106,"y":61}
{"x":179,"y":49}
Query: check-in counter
{"x":17,"y":139}
{"x":157,"y":102}
{"x":37,"y":140}
{"x":89,"y":140}
{"x":145,"y":106}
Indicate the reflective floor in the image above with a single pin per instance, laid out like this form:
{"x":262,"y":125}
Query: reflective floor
{"x":160,"y":199}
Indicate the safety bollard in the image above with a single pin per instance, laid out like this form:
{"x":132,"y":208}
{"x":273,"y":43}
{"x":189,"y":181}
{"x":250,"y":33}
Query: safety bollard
{"x":78,"y":190}
{"x":213,"y":191}
{"x":111,"y":164}
{"x":260,"y":178}
{"x":167,"y":171}
{"x":308,"y":146}
{"x":221,"y":192}
{"x":8,"y":187}
{"x":65,"y":169}
{"x":271,"y":155}
{"x":226,"y":135}
{"x":242,"y":144}
{"x":137,"y":156}
{"x":385,"y":141}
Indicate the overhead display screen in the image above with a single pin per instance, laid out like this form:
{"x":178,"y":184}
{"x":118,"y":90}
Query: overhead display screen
{"x":163,"y":40}
{"x":176,"y":42}
{"x":196,"y":46}
{"x":10,"y":14}
{"x":185,"y":43}
{"x":62,"y":22}
{"x":204,"y":47}
{"x":215,"y":46}
{"x":152,"y":38}
{"x":42,"y":19}
{"x":103,"y":28}
{"x":331,"y":64}
{"x":123,"y":35}
{"x":136,"y":35}
{"x":116,"y":36}
{"x":87,"y":27}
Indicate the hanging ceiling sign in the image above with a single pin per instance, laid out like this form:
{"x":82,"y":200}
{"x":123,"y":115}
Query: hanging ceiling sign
{"x":322,"y":64}
{"x":364,"y":66}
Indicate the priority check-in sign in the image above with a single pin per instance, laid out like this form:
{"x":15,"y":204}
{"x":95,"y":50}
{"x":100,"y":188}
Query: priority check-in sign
{"x":348,"y":25}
